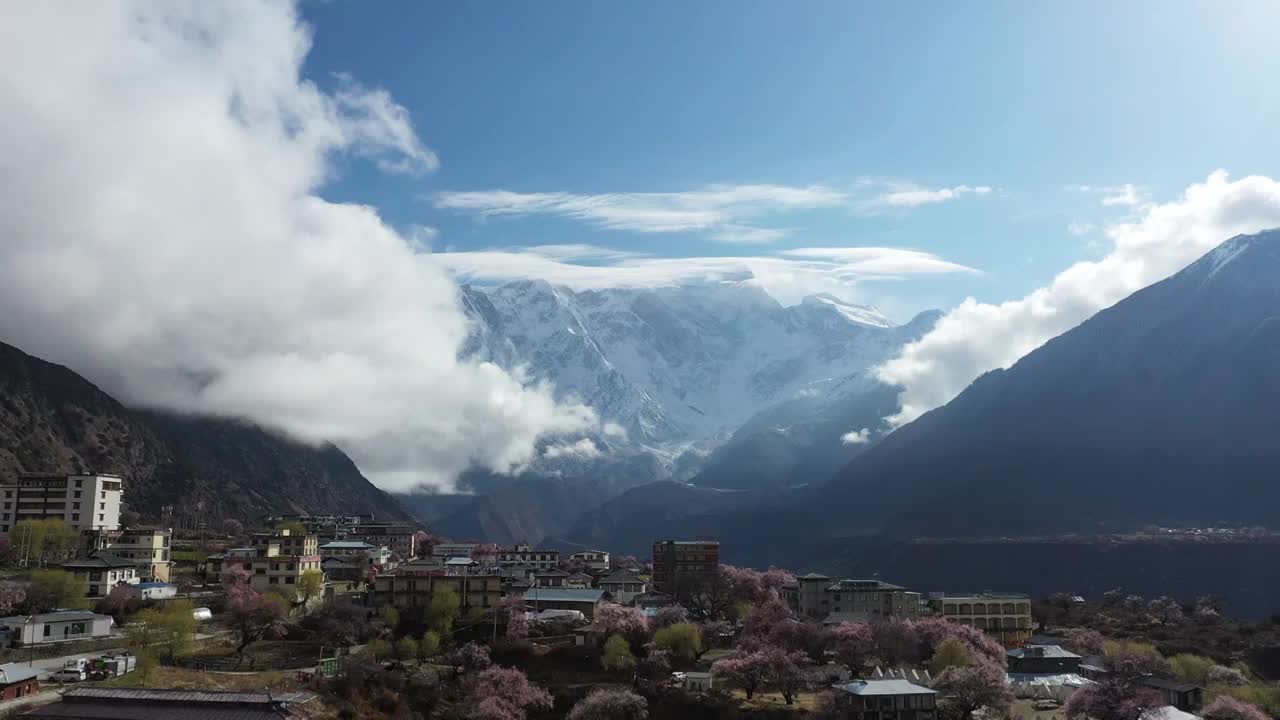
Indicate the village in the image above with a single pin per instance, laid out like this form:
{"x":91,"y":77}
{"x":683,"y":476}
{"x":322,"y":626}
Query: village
{"x":335,"y":616}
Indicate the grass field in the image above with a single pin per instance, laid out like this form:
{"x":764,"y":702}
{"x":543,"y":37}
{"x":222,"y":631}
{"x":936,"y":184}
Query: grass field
{"x":806,"y":701}
{"x":171,"y":677}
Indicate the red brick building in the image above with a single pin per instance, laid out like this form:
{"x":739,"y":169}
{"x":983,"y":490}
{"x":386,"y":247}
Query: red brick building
{"x":687,"y":560}
{"x":17,"y":681}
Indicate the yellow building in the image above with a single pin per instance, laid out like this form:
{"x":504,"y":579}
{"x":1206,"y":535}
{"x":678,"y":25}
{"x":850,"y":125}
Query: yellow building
{"x":280,"y":559}
{"x":147,"y":548}
{"x":1004,"y":616}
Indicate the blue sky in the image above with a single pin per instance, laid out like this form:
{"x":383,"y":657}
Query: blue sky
{"x":1011,"y":106}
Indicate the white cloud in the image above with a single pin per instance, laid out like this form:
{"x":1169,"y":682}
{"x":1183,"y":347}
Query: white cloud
{"x":583,"y":448}
{"x":613,"y":429}
{"x":976,"y":337}
{"x":161,"y":231}
{"x":788,"y":276}
{"x":1080,"y":228}
{"x":856,"y":437}
{"x":1126,"y":195}
{"x":717,"y":209}
{"x":421,"y":237}
{"x":909,"y":196}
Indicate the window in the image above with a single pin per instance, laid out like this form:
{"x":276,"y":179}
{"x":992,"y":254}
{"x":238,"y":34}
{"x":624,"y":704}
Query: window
{"x":8,"y":493}
{"x":273,"y":581}
{"x":8,"y":506}
{"x":95,"y":576}
{"x":77,"y":493}
{"x":288,"y":580}
{"x":75,"y":506}
{"x":79,"y":483}
{"x":101,"y":518}
{"x":75,"y":516}
{"x":48,"y":630}
{"x":6,"y":516}
{"x":102,"y":506}
{"x":104,"y":494}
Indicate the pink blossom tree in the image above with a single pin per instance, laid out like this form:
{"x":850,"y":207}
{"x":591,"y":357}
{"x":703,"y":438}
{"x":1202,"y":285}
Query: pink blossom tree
{"x":787,"y":673}
{"x":932,"y":631}
{"x":472,"y":657}
{"x":253,"y":616}
{"x":517,"y":620}
{"x":1084,"y":641}
{"x":232,"y":528}
{"x":1226,"y":707}
{"x":764,"y":618}
{"x":503,"y":694}
{"x":629,"y":622}
{"x":896,"y":641}
{"x":982,"y":685}
{"x":668,"y":616}
{"x":809,"y":639}
{"x":12,"y":594}
{"x":750,"y":671}
{"x":610,"y":704}
{"x":853,"y":644}
{"x":1118,"y":696}
{"x":756,"y":587}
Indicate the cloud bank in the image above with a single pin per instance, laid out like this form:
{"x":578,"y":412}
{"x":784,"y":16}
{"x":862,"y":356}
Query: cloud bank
{"x":1162,"y":239}
{"x":788,"y":276}
{"x":161,"y":232}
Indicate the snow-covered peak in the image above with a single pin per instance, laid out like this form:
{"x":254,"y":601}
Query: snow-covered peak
{"x":860,"y":314}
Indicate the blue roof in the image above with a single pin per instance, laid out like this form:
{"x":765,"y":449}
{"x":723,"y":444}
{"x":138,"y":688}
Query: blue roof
{"x":11,"y":673}
{"x":553,"y":594}
{"x":346,"y":545}
{"x":885,"y":687}
{"x":153,"y":585}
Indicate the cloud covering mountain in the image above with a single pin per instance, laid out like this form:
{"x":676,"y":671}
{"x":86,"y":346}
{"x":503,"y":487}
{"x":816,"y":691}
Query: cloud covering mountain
{"x":161,"y":231}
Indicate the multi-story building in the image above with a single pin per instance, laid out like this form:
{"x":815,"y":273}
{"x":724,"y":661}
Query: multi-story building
{"x":525,"y":555}
{"x":148,"y":548}
{"x":83,"y":502}
{"x":816,"y":596}
{"x":888,"y":699}
{"x":444,"y":551}
{"x":677,"y":561}
{"x":98,"y":574}
{"x":215,"y":564}
{"x":597,"y":560}
{"x":1005,"y":616}
{"x":280,"y":559}
{"x":406,"y":588}
{"x":623,"y":586}
{"x":397,"y":536}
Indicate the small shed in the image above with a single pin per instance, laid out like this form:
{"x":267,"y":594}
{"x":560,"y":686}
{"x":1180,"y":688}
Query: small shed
{"x":18,"y":681}
{"x":697,"y":681}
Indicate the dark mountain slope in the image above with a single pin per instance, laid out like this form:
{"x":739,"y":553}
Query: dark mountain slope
{"x":1161,"y":409}
{"x":53,"y":420}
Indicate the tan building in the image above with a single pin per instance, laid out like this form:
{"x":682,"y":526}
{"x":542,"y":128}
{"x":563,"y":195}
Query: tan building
{"x":148,"y":548}
{"x":280,"y":559}
{"x":1005,"y":616}
{"x":405,"y":588}
{"x":400,"y":538}
{"x":817,"y":596}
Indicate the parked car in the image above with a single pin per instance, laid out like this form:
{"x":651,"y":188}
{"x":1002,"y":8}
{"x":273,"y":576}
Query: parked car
{"x":73,"y":670}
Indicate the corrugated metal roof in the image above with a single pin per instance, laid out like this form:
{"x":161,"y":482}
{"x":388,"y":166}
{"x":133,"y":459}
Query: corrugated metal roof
{"x":544,"y":594}
{"x":11,"y":673}
{"x":154,"y":704}
{"x":885,"y":687}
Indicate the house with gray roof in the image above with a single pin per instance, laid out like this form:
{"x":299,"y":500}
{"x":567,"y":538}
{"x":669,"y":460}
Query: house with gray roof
{"x":59,"y":626}
{"x":888,"y":699}
{"x":584,"y":600}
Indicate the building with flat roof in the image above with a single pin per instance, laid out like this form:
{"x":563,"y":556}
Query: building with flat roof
{"x":55,"y":627}
{"x":407,"y":588}
{"x":817,"y":596}
{"x":584,"y":600}
{"x":83,"y":502}
{"x":148,"y":548}
{"x":280,"y":559}
{"x":679,"y":561}
{"x":522,"y":554}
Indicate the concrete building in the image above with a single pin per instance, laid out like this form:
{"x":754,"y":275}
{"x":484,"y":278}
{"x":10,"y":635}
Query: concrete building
{"x":55,"y":627}
{"x":526,"y":555}
{"x":585,"y":601}
{"x":597,"y":560}
{"x":99,"y":573}
{"x":280,"y":559}
{"x":1184,"y":696}
{"x":579,"y":580}
{"x":816,"y":596}
{"x":623,"y":586}
{"x":83,"y":502}
{"x":550,"y":578}
{"x":1043,"y":659}
{"x":148,"y":548}
{"x":397,"y":536}
{"x":406,"y":588}
{"x":215,"y":564}
{"x":18,"y":681}
{"x":1004,"y":616}
{"x":678,"y":561}
{"x":889,"y":699}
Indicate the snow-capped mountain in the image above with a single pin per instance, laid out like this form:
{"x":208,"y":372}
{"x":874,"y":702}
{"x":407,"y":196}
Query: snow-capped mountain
{"x":683,"y":366}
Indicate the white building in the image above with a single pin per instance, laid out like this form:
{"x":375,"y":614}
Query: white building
{"x":97,"y":575}
{"x":157,"y":590}
{"x":57,"y":627}
{"x":526,"y":555}
{"x":593,"y":559}
{"x":83,"y":502}
{"x":448,"y":550}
